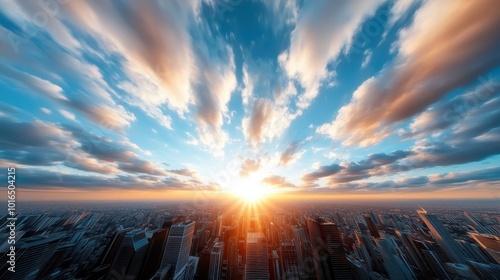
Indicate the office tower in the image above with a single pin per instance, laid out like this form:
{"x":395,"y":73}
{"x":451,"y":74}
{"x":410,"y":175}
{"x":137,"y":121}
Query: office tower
{"x":478,"y":225}
{"x":330,"y":260}
{"x":436,"y":264}
{"x":203,"y":270}
{"x":56,"y":259}
{"x":217,"y":227}
{"x":157,"y":239}
{"x":486,"y":271}
{"x":289,"y":264}
{"x":228,"y":233}
{"x":232,"y":259}
{"x":442,"y":237}
{"x":371,"y":226}
{"x":257,"y":266}
{"x":304,"y":255}
{"x":31,"y":256}
{"x":130,"y":256}
{"x":394,"y":265}
{"x":191,"y":267}
{"x":275,"y":271}
{"x":178,"y":247}
{"x":215,"y":261}
{"x":490,"y":243}
{"x":360,"y":270}
{"x":473,"y":252}
{"x":112,"y":248}
{"x":411,"y":252}
{"x":460,"y":271}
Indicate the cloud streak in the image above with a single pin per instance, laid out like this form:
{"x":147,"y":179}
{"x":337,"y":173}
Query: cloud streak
{"x":428,"y":66}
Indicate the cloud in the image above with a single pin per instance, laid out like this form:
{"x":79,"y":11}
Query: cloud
{"x":184,"y":172}
{"x":253,"y":126}
{"x":291,"y":154}
{"x":427,"y":67}
{"x":166,"y":59}
{"x":478,"y":106}
{"x":45,"y":111}
{"x":165,"y":67}
{"x":283,"y":13}
{"x":45,"y":179}
{"x":268,"y":98}
{"x":40,"y":143}
{"x":68,"y":115}
{"x":249,"y":166}
{"x":368,"y":57}
{"x":33,"y":83}
{"x":322,"y":30}
{"x":373,"y":165}
{"x":399,"y":9}
{"x":321,"y":172}
{"x":9,"y":109}
{"x":277,"y":181}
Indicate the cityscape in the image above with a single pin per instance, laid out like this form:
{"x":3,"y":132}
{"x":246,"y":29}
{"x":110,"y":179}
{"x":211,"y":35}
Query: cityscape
{"x":250,"y":240}
{"x":250,"y":139}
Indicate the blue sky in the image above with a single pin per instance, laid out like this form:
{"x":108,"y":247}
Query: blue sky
{"x":328,"y":97}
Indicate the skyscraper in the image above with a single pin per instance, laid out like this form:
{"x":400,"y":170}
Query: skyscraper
{"x":232,"y":259}
{"x":157,"y":239}
{"x":289,"y":266}
{"x":330,"y":260}
{"x":32,"y":254}
{"x":216,"y":261}
{"x":490,"y":243}
{"x":257,"y":266}
{"x":371,"y":226}
{"x":130,"y":256}
{"x":178,"y":246}
{"x":442,"y":236}
{"x":394,"y":265}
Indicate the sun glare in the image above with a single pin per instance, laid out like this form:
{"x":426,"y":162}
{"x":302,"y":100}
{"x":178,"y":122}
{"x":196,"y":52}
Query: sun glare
{"x":250,"y":190}
{"x":251,"y":195}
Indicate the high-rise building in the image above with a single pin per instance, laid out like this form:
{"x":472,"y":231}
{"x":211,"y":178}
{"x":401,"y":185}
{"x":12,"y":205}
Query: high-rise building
{"x":232,"y":259}
{"x":257,"y":266}
{"x":130,"y":255}
{"x":490,"y":243}
{"x":191,"y":267}
{"x":411,"y":252}
{"x":216,"y":261}
{"x":178,"y":247}
{"x":157,"y":239}
{"x":31,"y":256}
{"x":478,"y":225}
{"x":442,"y":237}
{"x":330,"y":259}
{"x":436,"y":264}
{"x":289,"y":265}
{"x":394,"y":264}
{"x":371,"y":226}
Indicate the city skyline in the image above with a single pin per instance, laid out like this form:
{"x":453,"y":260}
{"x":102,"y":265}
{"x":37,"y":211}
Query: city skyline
{"x":284,"y":241}
{"x":187,"y":100}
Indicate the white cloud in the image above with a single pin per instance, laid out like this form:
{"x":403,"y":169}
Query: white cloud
{"x":68,"y":115}
{"x":322,"y":30}
{"x":45,"y":111}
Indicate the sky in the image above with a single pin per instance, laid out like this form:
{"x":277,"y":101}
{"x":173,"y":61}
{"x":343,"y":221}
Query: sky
{"x":184,"y":99}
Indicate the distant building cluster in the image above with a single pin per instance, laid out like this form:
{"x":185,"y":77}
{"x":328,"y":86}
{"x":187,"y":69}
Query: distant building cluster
{"x":300,"y":243}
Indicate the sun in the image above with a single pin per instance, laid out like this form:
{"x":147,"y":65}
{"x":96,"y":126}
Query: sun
{"x":250,"y":190}
{"x":250,"y":194}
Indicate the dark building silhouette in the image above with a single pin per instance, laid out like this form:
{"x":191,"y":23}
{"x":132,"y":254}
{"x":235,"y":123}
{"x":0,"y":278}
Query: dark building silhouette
{"x":157,"y":240}
{"x":32,"y":254}
{"x":371,"y":226}
{"x":130,"y":255}
{"x":330,"y":259}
